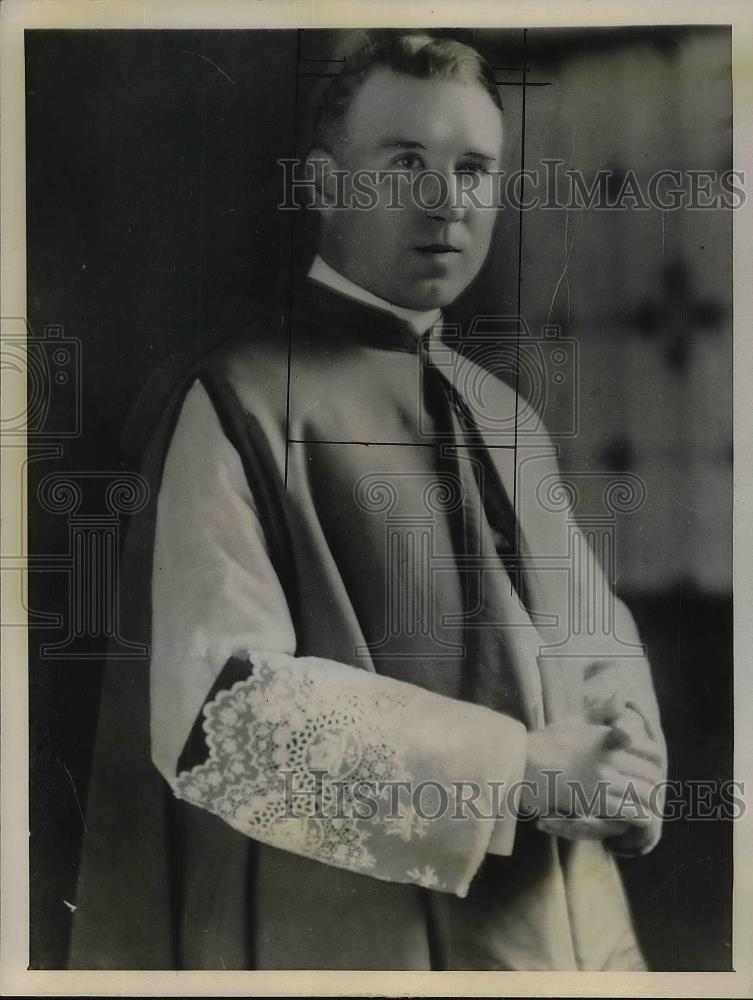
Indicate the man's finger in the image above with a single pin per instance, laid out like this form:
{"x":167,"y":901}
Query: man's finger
{"x":629,"y":801}
{"x":632,"y":707}
{"x":605,"y":711}
{"x":634,"y":764}
{"x":620,"y":739}
{"x":630,"y":732}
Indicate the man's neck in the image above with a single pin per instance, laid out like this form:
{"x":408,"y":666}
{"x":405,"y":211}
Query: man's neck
{"x":325,"y":274}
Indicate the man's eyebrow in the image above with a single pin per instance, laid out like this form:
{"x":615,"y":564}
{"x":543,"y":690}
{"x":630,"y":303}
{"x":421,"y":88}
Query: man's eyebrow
{"x":393,"y":141}
{"x":396,"y":142}
{"x":480,"y":156}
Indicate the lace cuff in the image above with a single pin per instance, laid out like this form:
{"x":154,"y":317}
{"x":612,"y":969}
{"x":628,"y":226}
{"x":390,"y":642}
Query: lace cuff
{"x":359,"y":771}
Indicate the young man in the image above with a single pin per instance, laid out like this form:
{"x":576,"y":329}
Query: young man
{"x":343,"y":602}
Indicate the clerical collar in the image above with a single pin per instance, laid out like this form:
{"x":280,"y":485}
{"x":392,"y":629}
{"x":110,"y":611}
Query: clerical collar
{"x":418,"y":319}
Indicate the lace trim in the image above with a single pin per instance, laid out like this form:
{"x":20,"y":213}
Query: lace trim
{"x":272,"y":735}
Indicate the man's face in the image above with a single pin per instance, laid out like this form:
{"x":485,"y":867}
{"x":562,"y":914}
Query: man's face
{"x":427,"y":252}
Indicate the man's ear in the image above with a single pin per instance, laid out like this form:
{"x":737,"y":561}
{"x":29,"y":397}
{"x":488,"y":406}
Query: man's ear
{"x":320,"y":166}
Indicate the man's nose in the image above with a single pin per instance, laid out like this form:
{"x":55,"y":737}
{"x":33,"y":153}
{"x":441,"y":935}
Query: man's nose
{"x":444,"y":198}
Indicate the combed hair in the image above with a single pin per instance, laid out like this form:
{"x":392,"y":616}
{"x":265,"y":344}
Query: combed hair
{"x":414,"y":54}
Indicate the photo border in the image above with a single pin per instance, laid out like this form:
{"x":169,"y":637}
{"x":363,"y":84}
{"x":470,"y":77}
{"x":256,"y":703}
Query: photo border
{"x":17,"y":15}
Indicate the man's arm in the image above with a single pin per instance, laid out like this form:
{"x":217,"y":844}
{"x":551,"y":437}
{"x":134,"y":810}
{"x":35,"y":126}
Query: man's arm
{"x":288,"y":739}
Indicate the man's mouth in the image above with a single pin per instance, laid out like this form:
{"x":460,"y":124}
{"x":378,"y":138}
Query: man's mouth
{"x":438,"y":248}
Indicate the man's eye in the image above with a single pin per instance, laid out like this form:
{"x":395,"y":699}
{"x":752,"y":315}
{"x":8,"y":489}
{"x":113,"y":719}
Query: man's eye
{"x":408,"y":161}
{"x":473,"y":168}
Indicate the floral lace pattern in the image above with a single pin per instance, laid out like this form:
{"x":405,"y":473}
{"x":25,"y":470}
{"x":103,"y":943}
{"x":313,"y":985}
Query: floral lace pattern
{"x":289,"y":750}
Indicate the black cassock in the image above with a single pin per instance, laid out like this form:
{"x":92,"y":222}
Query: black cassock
{"x":340,"y":584}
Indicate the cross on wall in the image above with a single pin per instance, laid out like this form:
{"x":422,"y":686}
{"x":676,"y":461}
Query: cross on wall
{"x":676,"y":313}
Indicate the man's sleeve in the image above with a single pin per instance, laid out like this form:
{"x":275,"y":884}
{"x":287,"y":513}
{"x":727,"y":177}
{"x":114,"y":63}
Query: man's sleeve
{"x":310,"y":755}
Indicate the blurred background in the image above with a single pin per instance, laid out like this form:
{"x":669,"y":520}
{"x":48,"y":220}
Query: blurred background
{"x":153,"y":232}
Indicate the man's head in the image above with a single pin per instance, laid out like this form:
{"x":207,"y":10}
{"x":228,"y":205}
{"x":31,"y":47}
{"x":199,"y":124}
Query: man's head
{"x":408,"y":104}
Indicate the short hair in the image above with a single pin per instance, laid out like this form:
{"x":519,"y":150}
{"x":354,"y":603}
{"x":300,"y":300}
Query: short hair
{"x":415,"y":54}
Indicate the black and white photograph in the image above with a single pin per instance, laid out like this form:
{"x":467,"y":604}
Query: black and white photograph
{"x":374,"y":476}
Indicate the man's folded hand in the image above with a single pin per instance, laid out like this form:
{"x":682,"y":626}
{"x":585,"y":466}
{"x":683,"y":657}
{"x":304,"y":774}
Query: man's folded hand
{"x":594,"y":778}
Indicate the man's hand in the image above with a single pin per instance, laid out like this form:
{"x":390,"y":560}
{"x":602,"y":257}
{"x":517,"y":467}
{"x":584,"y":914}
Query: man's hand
{"x":605,"y":769}
{"x":634,"y":749}
{"x":569,"y":765}
{"x":639,"y":752}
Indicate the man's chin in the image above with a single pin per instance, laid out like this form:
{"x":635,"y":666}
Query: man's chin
{"x":429,"y":293}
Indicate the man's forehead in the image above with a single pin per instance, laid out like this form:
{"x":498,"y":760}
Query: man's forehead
{"x":394,"y":106}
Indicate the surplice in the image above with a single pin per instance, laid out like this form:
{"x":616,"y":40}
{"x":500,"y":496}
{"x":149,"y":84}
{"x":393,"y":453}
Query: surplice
{"x":308,"y":496}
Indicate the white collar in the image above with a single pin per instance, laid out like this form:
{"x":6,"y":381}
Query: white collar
{"x":419,"y":319}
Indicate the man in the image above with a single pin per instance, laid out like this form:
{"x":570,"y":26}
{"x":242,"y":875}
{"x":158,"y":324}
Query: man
{"x":343,"y":598}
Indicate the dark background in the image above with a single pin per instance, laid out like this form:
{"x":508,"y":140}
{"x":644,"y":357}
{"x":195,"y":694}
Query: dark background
{"x":152,"y":187}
